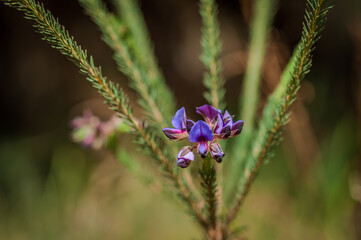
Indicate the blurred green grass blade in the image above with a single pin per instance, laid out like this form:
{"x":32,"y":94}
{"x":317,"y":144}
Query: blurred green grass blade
{"x":275,"y":114}
{"x":333,"y":169}
{"x":264,"y":11}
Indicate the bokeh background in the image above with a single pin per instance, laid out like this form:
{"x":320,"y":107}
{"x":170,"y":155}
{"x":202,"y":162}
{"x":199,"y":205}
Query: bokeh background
{"x":51,"y":188}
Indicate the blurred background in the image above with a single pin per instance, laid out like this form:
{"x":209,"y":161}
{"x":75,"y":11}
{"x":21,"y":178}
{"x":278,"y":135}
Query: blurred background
{"x":52,"y":188}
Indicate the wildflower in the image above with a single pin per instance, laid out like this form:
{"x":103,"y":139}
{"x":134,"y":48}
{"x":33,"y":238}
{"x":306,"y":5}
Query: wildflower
{"x":185,"y":157}
{"x":181,"y":124}
{"x":201,"y":133}
{"x":204,"y":133}
{"x":87,"y":129}
{"x":209,"y":113}
{"x":90,"y":131}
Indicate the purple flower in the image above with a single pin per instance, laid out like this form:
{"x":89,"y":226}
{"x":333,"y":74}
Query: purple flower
{"x":209,"y":113}
{"x":204,"y":133}
{"x":217,"y":152}
{"x":181,"y":125}
{"x":224,"y":126}
{"x":201,"y":133}
{"x":185,"y":157}
{"x":90,"y":131}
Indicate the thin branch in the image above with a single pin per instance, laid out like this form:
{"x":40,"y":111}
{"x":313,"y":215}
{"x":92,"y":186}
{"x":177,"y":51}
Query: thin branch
{"x":128,"y":63}
{"x":129,"y":12}
{"x":275,"y":114}
{"x":58,"y":37}
{"x":211,"y":46}
{"x":209,"y":184}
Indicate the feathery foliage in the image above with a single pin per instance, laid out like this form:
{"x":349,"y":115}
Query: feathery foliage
{"x":211,"y":46}
{"x":58,"y":37}
{"x":209,"y":185}
{"x":121,"y":40}
{"x":147,"y":81}
{"x":275,"y":114}
{"x":135,"y":37}
{"x":149,"y":144}
{"x":129,"y":13}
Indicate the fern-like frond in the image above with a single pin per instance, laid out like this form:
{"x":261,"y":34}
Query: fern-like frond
{"x":211,"y":46}
{"x":58,"y":37}
{"x":209,"y":185}
{"x":275,"y":114}
{"x":149,"y":143}
{"x":129,"y":13}
{"x":118,"y":37}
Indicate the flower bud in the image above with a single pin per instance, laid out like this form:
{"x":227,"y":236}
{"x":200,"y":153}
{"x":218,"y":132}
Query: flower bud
{"x":185,"y":157}
{"x":216,"y":152}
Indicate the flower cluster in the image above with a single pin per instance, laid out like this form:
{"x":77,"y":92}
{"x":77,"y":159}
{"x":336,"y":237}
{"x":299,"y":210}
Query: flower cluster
{"x":204,"y":133}
{"x":90,"y":131}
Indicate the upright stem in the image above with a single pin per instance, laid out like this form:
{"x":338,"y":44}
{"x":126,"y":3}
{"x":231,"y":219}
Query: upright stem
{"x":260,"y":26}
{"x":275,"y":112}
{"x":210,"y":181}
{"x":210,"y":188}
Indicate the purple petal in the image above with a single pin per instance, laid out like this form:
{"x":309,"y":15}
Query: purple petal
{"x":189,"y":124}
{"x":104,"y":128}
{"x":218,"y":124}
{"x":175,"y":134}
{"x":77,"y":122}
{"x":225,"y":132}
{"x":236,"y":128}
{"x":186,"y":153}
{"x":185,"y":157}
{"x":227,"y":118}
{"x":179,"y":119}
{"x":183,"y":163}
{"x":202,"y":149}
{"x":209,"y":113}
{"x":217,"y":152}
{"x":89,"y":139}
{"x":200,"y":132}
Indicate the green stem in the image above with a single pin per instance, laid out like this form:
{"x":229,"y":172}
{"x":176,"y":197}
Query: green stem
{"x":129,"y":11}
{"x":275,"y":114}
{"x":263,"y":13}
{"x":260,"y":28}
{"x":209,"y":184}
